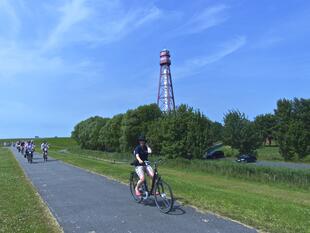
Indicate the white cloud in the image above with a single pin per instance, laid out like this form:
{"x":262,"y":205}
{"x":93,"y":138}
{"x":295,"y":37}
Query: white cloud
{"x":195,"y":65}
{"x":97,"y":22}
{"x":9,"y":17}
{"x":73,"y":12}
{"x":267,"y":42}
{"x":93,"y":22}
{"x":205,"y":19}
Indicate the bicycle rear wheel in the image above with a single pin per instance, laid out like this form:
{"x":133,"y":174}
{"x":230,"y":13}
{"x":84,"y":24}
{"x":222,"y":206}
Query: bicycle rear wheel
{"x":133,"y":183}
{"x":163,"y":196}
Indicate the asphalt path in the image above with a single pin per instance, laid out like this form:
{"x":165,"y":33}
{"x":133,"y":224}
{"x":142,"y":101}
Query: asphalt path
{"x":88,"y":203}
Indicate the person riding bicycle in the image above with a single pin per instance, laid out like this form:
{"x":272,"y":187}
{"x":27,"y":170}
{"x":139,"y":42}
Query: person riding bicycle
{"x":141,"y":164}
{"x":33,"y":145}
{"x":22,"y":145}
{"x":30,"y":148}
{"x":44,"y":145}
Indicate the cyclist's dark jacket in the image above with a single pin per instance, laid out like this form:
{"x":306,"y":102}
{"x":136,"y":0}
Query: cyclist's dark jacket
{"x":143,"y":154}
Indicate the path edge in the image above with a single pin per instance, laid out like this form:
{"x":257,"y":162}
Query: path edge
{"x":44,"y":204}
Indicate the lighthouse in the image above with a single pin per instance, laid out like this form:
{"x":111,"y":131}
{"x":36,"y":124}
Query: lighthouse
{"x":165,"y":98}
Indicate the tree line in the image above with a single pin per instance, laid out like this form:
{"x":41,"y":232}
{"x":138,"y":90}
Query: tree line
{"x":188,"y":133}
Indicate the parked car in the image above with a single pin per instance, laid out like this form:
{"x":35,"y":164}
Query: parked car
{"x":246,"y":159}
{"x":215,"y":155}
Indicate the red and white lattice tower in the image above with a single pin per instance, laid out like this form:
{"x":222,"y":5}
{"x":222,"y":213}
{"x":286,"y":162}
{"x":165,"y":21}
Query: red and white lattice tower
{"x":165,"y":99}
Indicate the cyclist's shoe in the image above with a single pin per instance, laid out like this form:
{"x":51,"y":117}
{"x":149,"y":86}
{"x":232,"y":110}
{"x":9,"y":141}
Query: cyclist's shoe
{"x":138,"y":194}
{"x":156,"y":193}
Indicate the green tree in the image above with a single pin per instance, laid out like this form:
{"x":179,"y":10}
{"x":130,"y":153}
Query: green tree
{"x":184,"y":133}
{"x":240,"y":133}
{"x":265,"y":124}
{"x":217,"y":131}
{"x":293,"y":128}
{"x":135,"y":122}
{"x":110,"y":133}
{"x":86,"y":133}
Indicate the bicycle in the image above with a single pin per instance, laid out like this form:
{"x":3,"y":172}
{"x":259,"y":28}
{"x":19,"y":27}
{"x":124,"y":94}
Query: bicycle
{"x":163,"y":193}
{"x":29,"y":155}
{"x":45,"y":152}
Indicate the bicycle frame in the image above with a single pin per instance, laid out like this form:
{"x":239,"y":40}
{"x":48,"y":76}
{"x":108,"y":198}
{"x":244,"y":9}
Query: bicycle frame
{"x":155,"y":179}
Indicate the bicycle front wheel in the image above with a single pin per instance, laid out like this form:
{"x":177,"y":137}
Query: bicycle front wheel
{"x":163,"y":196}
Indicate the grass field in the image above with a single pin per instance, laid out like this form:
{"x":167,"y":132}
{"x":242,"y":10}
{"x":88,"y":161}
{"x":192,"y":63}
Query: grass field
{"x":273,"y":205}
{"x":269,"y":207}
{"x":21,"y":210}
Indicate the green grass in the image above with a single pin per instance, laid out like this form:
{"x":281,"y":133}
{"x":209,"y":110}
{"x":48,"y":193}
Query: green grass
{"x":272,"y":208}
{"x":292,"y":178}
{"x":57,"y":143}
{"x":21,"y":210}
{"x":273,"y":200}
{"x":269,"y":153}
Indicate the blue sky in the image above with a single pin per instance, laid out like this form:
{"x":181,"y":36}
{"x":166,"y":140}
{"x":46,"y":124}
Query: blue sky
{"x":62,"y":61}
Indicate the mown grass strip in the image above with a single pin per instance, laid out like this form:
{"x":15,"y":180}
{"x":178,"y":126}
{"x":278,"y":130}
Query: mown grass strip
{"x":270,"y":208}
{"x":293,"y":178}
{"x":21,"y":210}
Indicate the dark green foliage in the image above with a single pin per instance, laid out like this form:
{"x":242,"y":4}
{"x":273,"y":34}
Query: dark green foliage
{"x":188,"y":133}
{"x":217,"y":131}
{"x":184,"y":133}
{"x":86,"y":133}
{"x":293,"y":128}
{"x":265,"y":124}
{"x":240,"y":133}
{"x":110,"y":133}
{"x":135,"y":123}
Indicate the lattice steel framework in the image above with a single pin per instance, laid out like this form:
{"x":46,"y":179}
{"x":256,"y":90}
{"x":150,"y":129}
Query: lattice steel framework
{"x":165,"y":99}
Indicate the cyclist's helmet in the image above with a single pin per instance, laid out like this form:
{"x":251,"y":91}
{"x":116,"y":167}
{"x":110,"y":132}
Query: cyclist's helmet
{"x":141,"y":138}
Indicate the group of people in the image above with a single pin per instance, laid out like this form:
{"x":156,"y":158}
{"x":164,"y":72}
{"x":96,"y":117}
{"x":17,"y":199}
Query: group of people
{"x":27,"y":148}
{"x":141,"y":154}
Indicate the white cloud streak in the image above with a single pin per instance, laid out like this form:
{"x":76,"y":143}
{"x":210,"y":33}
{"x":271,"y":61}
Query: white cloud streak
{"x":79,"y":21}
{"x":106,"y":23}
{"x":195,"y":65}
{"x":8,"y":12}
{"x":73,"y":12}
{"x":205,"y":19}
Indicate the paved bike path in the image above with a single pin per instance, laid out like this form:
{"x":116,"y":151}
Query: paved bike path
{"x":84,"y":202}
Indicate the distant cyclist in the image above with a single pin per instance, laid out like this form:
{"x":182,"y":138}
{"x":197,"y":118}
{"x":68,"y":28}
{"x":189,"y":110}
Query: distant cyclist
{"x":44,"y":145}
{"x":141,"y":163}
{"x":22,"y":146}
{"x":30,"y":148}
{"x":44,"y":148}
{"x":33,"y":145}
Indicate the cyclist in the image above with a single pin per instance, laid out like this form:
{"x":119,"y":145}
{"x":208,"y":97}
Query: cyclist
{"x":22,"y":147}
{"x":29,"y":149}
{"x":33,"y":145}
{"x":44,"y":145}
{"x":141,"y":164}
{"x":18,"y":146}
